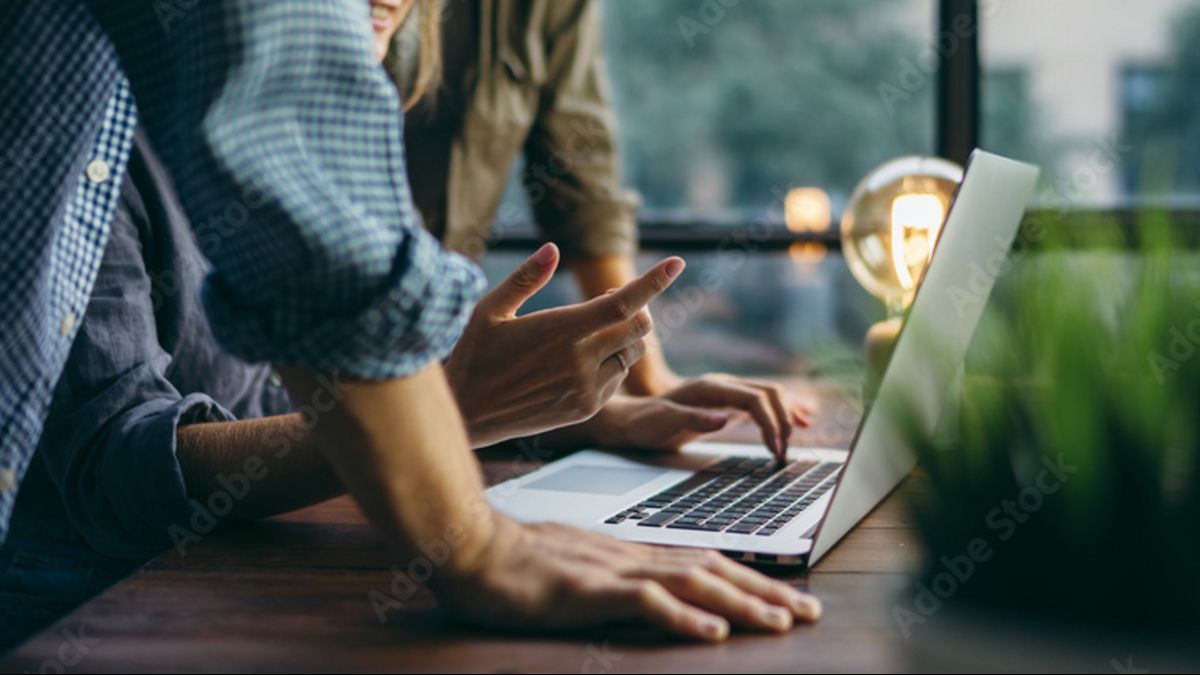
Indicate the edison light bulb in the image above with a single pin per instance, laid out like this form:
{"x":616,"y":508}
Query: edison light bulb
{"x":891,"y":224}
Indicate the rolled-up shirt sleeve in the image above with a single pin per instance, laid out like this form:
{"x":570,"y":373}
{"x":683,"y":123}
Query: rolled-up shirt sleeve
{"x":584,"y":209}
{"x":109,"y":442}
{"x":283,"y":136}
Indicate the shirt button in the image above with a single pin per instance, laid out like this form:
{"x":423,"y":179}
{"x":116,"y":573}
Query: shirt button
{"x":68,"y":323}
{"x":98,"y":171}
{"x":275,"y":379}
{"x":8,"y":479}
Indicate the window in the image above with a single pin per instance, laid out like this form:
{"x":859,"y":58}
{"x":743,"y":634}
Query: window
{"x":725,"y":105}
{"x":1101,"y":94}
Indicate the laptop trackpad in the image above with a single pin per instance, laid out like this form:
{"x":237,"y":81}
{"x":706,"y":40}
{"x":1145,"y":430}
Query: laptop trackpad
{"x":597,"y":480}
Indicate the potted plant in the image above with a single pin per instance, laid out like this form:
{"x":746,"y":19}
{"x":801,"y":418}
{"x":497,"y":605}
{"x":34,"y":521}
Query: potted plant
{"x":1061,"y":519}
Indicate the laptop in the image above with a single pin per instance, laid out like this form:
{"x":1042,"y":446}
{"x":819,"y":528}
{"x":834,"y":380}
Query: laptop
{"x":737,"y":499}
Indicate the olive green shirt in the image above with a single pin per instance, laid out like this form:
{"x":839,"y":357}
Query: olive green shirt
{"x":521,"y":76}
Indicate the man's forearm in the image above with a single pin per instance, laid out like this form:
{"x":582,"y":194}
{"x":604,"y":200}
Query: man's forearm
{"x":273,"y":462}
{"x":399,"y":447}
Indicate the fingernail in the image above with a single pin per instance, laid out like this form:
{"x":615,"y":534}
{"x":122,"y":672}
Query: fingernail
{"x":807,"y":607}
{"x":776,"y":617}
{"x":675,"y":267}
{"x":544,"y":255}
{"x":714,"y":629}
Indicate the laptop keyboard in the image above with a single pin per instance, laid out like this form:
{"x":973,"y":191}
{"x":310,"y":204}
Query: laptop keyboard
{"x":736,"y":495}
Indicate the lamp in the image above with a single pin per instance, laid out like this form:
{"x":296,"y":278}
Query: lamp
{"x":889,"y":229}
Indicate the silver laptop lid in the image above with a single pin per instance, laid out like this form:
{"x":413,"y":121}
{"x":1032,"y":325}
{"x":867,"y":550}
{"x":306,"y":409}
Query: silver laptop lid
{"x":970,"y":253}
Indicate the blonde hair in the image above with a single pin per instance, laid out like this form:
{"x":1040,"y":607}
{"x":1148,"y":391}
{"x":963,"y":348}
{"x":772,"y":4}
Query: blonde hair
{"x":428,"y":72}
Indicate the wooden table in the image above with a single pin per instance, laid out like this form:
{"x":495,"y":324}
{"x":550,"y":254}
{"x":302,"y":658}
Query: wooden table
{"x":293,"y":593}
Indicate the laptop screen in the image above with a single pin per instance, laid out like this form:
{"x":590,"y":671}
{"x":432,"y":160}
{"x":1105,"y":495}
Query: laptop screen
{"x":970,"y":254}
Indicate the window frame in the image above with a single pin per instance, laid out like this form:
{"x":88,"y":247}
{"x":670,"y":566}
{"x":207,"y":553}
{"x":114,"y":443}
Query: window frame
{"x":957,"y":127}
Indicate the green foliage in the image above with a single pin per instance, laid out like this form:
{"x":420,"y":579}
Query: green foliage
{"x":774,"y":94}
{"x":1089,"y":361}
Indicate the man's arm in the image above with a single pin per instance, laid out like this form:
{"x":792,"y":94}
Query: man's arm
{"x":279,"y":109}
{"x":400,"y":449}
{"x":274,"y":458}
{"x":284,"y":138}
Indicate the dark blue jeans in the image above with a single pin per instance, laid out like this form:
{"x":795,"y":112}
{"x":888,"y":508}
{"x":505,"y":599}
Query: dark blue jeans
{"x":45,"y":572}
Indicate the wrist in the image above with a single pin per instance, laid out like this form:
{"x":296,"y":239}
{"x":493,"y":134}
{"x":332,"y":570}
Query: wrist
{"x":606,"y":429}
{"x":488,"y":540}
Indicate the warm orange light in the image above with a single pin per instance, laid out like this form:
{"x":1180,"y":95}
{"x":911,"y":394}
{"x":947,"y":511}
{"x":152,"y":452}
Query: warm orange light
{"x":807,"y":209}
{"x":916,"y":220}
{"x":807,"y":251}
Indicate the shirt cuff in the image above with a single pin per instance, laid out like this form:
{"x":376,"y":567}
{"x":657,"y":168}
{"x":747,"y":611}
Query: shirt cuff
{"x":414,"y":321}
{"x":143,"y":481}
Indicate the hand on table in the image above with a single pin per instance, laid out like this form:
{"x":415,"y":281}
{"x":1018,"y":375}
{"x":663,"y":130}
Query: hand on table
{"x":516,"y":376}
{"x":555,"y":577}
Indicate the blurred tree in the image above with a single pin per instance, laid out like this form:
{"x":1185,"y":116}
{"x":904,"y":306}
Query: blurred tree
{"x":766,"y":94}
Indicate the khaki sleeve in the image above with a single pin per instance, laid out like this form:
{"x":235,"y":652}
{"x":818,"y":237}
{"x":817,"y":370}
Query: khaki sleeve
{"x":571,"y":167}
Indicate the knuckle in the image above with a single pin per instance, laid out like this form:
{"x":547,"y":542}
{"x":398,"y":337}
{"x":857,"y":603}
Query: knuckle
{"x":659,"y":282}
{"x":694,"y":577}
{"x":523,"y":277}
{"x":638,"y":349}
{"x":575,"y":585}
{"x":619,"y":307}
{"x":642,"y":323}
{"x":712,"y":560}
{"x":646,"y":592}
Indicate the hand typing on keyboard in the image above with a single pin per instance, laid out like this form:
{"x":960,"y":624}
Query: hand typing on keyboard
{"x":700,"y":405}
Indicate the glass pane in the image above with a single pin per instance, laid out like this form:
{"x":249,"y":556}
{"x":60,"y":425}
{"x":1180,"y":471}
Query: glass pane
{"x":724,"y":105}
{"x":1101,"y":93}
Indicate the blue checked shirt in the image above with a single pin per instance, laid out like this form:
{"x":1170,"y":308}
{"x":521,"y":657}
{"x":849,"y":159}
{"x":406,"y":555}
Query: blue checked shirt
{"x":283,"y":136}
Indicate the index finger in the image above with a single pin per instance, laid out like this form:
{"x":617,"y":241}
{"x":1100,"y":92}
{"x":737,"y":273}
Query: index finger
{"x":625,"y":302}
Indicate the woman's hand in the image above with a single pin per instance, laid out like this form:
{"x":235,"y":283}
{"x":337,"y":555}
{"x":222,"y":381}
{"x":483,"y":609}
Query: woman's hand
{"x":698,"y":406}
{"x":554,"y":577}
{"x":516,"y":376}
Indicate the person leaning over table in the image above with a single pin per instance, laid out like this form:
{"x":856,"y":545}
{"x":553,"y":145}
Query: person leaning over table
{"x":333,"y":284}
{"x":526,"y":77}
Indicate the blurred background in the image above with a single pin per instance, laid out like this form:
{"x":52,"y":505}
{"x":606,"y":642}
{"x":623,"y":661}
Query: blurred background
{"x":726,"y":108}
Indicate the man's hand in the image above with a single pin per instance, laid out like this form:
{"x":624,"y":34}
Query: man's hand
{"x":399,"y":448}
{"x":699,"y":406}
{"x":554,"y":577}
{"x":515,"y":376}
